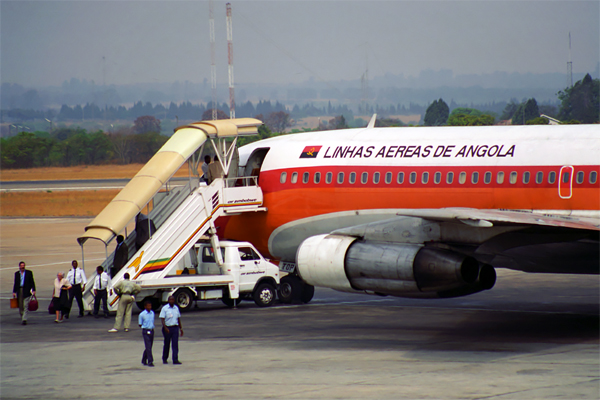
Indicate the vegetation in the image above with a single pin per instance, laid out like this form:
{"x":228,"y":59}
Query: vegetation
{"x":437,"y":113}
{"x":581,"y":102}
{"x":459,"y":119}
{"x":525,"y":112}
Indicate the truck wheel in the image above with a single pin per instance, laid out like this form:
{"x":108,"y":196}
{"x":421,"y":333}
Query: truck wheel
{"x":184,"y":299}
{"x":290,"y":289}
{"x":264,"y":295}
{"x":228,"y":301}
{"x":308,"y":291}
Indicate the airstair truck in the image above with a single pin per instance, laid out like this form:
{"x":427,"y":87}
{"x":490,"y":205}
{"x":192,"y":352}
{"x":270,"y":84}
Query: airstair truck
{"x":184,"y":217}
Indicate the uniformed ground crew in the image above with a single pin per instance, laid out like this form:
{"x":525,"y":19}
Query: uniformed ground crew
{"x":126,"y":290}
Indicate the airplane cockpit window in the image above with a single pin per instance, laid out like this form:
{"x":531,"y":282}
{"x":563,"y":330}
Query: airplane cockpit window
{"x":425,"y":178}
{"x":500,"y":178}
{"x":294,"y":178}
{"x":247,"y":254}
{"x":364,"y":178}
{"x":437,"y":177}
{"x":340,"y":177}
{"x":580,"y":177}
{"x":487,"y":177}
{"x":513,"y":177}
{"x":305,"y":177}
{"x":539,"y":177}
{"x":283,"y":177}
{"x":388,"y":177}
{"x":475,"y":177}
{"x":412,"y":178}
{"x":551,"y":177}
{"x":593,"y":177}
{"x":526,"y":177}
{"x":352,"y":178}
{"x":376,"y":176}
{"x":462,"y":177}
{"x":317,"y":178}
{"x":449,"y":178}
{"x":328,"y":177}
{"x":400,"y":178}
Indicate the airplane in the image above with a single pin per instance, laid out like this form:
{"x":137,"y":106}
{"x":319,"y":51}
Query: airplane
{"x":423,"y":212}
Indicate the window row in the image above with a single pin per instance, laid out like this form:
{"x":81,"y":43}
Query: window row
{"x":513,"y":177}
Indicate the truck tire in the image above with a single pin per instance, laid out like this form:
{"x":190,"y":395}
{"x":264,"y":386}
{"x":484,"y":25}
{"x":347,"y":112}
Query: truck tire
{"x":290,"y":289}
{"x":155,"y":303}
{"x":228,"y":301}
{"x":184,"y":299}
{"x":264,"y":295}
{"x":308,"y":291}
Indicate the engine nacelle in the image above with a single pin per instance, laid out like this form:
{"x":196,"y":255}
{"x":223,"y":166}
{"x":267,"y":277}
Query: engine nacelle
{"x":398,"y":269}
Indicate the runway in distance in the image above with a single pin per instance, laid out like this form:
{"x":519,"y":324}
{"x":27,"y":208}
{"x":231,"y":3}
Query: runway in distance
{"x":424,"y":212}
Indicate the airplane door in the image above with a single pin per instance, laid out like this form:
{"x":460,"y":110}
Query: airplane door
{"x":565,"y":182}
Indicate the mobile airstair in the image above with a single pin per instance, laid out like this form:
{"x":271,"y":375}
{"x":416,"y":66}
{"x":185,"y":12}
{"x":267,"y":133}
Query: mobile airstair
{"x":184,"y":214}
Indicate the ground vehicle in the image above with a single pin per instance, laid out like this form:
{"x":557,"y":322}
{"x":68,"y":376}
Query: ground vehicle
{"x":244,"y":274}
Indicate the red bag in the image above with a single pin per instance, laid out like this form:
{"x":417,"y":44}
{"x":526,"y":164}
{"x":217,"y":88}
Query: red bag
{"x":52,"y":307}
{"x":33,"y":304}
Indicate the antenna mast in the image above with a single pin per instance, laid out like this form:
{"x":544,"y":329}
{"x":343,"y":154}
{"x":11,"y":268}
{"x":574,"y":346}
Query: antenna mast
{"x":230,"y":59}
{"x":570,"y":65}
{"x":213,"y":67}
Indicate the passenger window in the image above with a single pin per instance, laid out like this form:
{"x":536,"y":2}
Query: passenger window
{"x":462,"y":177}
{"x":513,"y":177}
{"x":593,"y":177}
{"x":526,"y":177}
{"x":376,"y":177}
{"x":449,"y":178}
{"x":283,"y":177}
{"x":328,"y":177}
{"x":487,"y":178}
{"x":539,"y":177}
{"x":565,"y":177}
{"x":352,"y":178}
{"x":412,"y":178}
{"x":500,"y":178}
{"x":364,"y":177}
{"x":317,"y":178}
{"x":475,"y":177}
{"x":247,"y":254}
{"x":425,"y":178}
{"x":340,"y":178}
{"x":437,"y":178}
{"x":305,"y":177}
{"x":400,"y":178}
{"x":294,"y":177}
{"x":552,"y":177}
{"x":580,"y":176}
{"x":388,"y":177}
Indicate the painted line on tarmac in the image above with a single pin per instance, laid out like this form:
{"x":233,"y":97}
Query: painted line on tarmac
{"x":45,"y":265}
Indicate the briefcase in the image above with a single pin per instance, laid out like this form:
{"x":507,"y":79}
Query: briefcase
{"x":14,"y":303}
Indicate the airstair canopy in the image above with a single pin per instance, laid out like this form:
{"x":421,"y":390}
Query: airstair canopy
{"x":161,"y":167}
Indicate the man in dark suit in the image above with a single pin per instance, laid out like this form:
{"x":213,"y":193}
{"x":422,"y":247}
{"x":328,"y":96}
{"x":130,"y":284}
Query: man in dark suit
{"x":23,"y":289}
{"x":121,"y":256}
{"x":144,"y":229}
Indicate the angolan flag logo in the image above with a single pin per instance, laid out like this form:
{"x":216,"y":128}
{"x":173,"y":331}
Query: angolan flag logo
{"x":310,"y":152}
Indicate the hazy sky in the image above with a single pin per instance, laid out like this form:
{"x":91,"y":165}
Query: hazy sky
{"x":47,"y":42}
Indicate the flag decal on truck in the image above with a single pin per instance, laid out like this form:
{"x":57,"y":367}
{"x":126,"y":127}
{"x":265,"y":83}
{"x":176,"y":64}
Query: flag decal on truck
{"x":155,"y":265}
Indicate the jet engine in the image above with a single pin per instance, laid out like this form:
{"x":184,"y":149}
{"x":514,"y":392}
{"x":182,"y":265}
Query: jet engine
{"x":399,"y":269}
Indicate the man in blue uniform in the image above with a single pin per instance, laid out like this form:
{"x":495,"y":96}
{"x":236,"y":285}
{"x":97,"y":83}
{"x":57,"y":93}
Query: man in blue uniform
{"x":146,"y":322}
{"x":171,"y":328}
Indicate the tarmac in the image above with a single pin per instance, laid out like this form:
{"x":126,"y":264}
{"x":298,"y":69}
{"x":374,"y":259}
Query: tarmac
{"x":531,"y":337}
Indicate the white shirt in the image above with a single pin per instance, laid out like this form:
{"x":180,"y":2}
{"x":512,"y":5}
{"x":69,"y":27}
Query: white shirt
{"x":101,"y":282}
{"x":79,"y":274}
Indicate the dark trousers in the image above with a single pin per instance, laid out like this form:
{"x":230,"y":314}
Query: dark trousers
{"x":171,"y":338}
{"x":75,"y":292}
{"x":101,"y":296}
{"x":148,"y":336}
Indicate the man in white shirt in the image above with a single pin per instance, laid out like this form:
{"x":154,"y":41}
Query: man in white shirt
{"x":171,"y":328}
{"x":205,"y":173}
{"x":77,"y":279}
{"x":101,"y":283}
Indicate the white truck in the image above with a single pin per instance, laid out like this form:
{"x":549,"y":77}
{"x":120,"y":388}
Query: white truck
{"x":243,"y":275}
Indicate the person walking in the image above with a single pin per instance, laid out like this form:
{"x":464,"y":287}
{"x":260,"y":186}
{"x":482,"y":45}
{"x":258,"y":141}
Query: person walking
{"x":146,"y":322}
{"x":60,"y":296}
{"x":205,"y":173}
{"x":100,"y":287}
{"x":121,"y":256}
{"x":23,"y":289}
{"x":215,"y":170}
{"x":127,"y":291}
{"x":171,"y":329}
{"x":77,"y":279}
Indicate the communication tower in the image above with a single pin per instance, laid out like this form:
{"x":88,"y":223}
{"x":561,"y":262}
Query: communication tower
{"x":213,"y":67}
{"x":570,"y":65}
{"x":230,"y":59}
